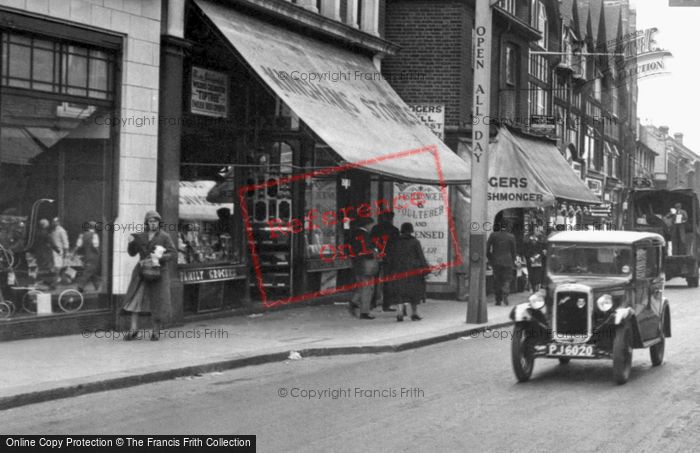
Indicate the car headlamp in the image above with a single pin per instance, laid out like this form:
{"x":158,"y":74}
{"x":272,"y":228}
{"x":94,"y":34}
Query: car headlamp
{"x":537,"y":301}
{"x":604,"y":302}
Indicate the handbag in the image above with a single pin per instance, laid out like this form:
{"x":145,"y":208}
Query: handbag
{"x":149,"y":271}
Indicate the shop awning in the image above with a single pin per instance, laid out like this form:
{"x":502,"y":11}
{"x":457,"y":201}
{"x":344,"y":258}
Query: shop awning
{"x":341,"y":96}
{"x":528,"y":172}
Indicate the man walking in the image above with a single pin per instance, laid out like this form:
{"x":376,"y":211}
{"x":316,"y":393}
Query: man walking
{"x":500,"y":251}
{"x":384,"y":230}
{"x":364,"y":265}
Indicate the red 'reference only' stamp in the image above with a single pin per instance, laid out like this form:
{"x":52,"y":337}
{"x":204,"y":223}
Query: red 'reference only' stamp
{"x":316,"y":219}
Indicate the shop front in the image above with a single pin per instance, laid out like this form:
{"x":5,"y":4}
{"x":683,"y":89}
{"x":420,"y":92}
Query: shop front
{"x":57,"y":86}
{"x":270,"y":150}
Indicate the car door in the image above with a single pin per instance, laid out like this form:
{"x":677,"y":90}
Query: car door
{"x":649,"y":288}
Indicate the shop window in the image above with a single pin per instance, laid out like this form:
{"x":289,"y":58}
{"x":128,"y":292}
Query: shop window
{"x":55,"y":163}
{"x":207,"y":231}
{"x":39,"y":64}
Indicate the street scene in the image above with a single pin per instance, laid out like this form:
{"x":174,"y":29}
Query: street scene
{"x":349,"y":225}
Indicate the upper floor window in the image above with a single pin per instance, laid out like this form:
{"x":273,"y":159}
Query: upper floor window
{"x":56,"y":67}
{"x":597,"y":89}
{"x":510,"y":64}
{"x":508,"y":5}
{"x":539,"y":68}
{"x":538,"y":15}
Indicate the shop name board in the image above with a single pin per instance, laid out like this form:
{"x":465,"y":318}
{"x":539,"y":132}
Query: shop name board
{"x":430,"y":223}
{"x":209,"y":274}
{"x":543,"y":123}
{"x":433,"y":116}
{"x":209,"y":93}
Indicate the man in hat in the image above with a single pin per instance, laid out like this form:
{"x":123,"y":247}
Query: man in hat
{"x":500,"y":251}
{"x":384,"y":229}
{"x":364,"y":265}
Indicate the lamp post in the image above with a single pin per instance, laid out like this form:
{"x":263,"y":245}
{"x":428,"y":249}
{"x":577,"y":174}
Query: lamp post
{"x":476,"y":307}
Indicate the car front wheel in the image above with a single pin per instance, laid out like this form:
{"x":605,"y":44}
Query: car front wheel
{"x":521,"y":353}
{"x":622,"y":354}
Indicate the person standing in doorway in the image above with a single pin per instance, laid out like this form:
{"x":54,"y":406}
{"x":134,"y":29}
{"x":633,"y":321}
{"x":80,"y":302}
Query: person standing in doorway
{"x":385,"y":231}
{"x":149,"y":296}
{"x":406,"y":258}
{"x":500,"y":252}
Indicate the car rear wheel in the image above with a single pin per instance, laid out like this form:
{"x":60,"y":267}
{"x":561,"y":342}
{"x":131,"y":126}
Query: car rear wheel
{"x":656,"y":352}
{"x":564,"y":360}
{"x":522,"y":354}
{"x":622,"y":354}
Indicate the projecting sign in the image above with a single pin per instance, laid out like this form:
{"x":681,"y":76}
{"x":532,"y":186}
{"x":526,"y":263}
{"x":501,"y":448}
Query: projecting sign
{"x":433,"y":116}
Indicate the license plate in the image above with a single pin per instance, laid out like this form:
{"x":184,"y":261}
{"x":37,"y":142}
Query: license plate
{"x":570,"y":350}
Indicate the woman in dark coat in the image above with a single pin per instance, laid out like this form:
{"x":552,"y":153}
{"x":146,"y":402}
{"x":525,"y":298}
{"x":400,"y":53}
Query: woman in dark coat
{"x":535,"y":247}
{"x":406,"y":256}
{"x":145,"y":296}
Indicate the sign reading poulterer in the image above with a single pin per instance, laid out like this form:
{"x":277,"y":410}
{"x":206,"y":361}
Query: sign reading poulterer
{"x":209,"y":93}
{"x":430,"y":223}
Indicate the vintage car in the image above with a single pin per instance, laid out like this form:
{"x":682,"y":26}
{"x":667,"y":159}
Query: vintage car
{"x":603,"y":297}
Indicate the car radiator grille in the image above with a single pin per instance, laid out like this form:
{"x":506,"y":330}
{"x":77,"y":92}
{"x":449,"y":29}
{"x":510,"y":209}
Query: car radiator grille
{"x":572,"y":314}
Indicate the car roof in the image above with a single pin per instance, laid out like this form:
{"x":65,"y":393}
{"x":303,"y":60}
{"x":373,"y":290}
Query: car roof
{"x":606,"y":237}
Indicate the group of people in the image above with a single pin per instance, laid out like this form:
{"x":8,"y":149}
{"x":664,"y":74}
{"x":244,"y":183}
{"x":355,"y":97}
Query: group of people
{"x":401,"y":262}
{"x":502,"y":255}
{"x":673,"y":223}
{"x":51,"y":247}
{"x":573,"y":215}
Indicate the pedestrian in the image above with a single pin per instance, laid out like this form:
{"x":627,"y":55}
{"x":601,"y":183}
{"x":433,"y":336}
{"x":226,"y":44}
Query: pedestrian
{"x":407,"y":262}
{"x":365,"y":266}
{"x":385,"y":232}
{"x":677,"y":218}
{"x":88,"y":248}
{"x":500,"y":251}
{"x":535,"y":249}
{"x":148,"y":294}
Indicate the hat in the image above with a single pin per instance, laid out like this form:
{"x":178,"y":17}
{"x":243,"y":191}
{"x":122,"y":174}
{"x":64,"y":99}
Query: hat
{"x":406,"y":228}
{"x":152,"y":215}
{"x":362,"y":221}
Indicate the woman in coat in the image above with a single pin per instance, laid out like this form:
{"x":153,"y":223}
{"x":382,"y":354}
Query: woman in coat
{"x":535,"y":249}
{"x":149,"y":296}
{"x":406,"y":256}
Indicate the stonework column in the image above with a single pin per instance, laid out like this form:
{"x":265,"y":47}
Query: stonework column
{"x":352,"y":13}
{"x":369,"y":21}
{"x":331,"y":9}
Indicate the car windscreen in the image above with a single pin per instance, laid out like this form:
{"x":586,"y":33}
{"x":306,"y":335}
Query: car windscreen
{"x":563,"y":259}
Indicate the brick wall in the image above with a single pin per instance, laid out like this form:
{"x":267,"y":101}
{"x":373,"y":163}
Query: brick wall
{"x":428,"y":67}
{"x":139,"y":22}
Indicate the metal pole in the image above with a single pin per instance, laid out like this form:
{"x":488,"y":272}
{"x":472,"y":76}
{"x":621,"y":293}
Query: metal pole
{"x":476,"y":307}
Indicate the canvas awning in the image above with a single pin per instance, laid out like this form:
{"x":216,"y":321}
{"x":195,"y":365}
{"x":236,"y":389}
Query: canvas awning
{"x":341,"y":96}
{"x":528,"y":172}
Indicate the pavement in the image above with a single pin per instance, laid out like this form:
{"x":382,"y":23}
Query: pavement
{"x":44,"y":369}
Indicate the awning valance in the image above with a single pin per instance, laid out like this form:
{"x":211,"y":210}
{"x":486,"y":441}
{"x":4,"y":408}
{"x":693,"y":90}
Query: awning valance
{"x":528,"y":172}
{"x":341,"y":96}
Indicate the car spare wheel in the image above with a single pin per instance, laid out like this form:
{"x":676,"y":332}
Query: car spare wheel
{"x":522,"y":353}
{"x":622,"y":354}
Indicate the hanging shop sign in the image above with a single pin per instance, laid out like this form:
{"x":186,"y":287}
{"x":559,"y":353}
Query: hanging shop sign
{"x":209,"y":93}
{"x":433,"y":116}
{"x":430,"y":223}
{"x":595,"y":185}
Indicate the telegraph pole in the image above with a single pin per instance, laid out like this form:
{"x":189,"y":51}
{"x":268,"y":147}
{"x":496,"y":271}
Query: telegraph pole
{"x":476,"y":307}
